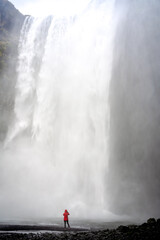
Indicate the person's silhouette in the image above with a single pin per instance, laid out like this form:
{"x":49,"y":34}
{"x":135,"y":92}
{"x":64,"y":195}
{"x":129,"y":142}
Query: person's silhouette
{"x":65,"y":214}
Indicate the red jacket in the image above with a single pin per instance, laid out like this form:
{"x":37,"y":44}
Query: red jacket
{"x":65,"y":214}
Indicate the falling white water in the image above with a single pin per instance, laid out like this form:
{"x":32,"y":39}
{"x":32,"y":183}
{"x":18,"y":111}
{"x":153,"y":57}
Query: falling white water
{"x":59,"y":137}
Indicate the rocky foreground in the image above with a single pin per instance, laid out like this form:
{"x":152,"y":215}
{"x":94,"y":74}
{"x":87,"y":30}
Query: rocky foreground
{"x":149,"y":230}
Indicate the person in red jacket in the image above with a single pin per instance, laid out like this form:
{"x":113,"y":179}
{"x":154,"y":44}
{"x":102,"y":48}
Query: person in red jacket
{"x":65,"y":214}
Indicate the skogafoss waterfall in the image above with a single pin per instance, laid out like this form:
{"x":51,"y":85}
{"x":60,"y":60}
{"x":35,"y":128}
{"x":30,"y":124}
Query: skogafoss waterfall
{"x":84,"y":130}
{"x":58,"y":137}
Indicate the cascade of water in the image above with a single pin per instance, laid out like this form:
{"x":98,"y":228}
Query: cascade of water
{"x":31,"y":49}
{"x":68,"y":146}
{"x":61,"y":107}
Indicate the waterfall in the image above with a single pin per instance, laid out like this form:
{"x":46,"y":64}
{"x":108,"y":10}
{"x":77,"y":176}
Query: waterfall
{"x":82,"y":132}
{"x":59,"y":136}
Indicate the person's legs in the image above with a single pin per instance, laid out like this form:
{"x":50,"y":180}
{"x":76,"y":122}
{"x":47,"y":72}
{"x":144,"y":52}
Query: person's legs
{"x":64,"y":224}
{"x":68,"y":224}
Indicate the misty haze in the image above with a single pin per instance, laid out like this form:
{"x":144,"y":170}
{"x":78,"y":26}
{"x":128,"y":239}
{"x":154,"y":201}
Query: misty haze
{"x":80,"y":114}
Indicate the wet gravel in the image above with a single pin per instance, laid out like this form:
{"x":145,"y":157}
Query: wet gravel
{"x":147,"y":231}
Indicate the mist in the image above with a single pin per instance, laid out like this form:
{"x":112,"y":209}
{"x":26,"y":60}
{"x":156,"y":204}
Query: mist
{"x":135,"y":114}
{"x":81,"y":127}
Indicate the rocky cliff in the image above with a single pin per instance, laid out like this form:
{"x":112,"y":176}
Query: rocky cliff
{"x":11,"y":21}
{"x":10,"y":24}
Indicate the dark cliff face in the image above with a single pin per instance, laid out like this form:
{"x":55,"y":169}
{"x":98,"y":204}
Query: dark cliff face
{"x":11,"y":21}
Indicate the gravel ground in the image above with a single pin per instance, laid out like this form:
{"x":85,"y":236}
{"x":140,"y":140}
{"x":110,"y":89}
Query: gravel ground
{"x":147,"y":231}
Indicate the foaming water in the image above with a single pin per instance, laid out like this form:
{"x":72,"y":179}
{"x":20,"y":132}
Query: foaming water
{"x":56,"y":149}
